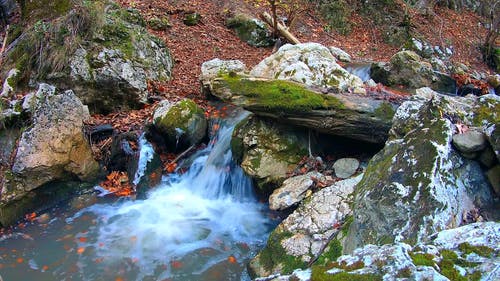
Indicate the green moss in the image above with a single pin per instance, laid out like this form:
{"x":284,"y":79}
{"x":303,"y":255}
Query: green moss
{"x":250,"y":31}
{"x":345,"y":227}
{"x":422,"y":259}
{"x":475,"y":276}
{"x":192,"y":19}
{"x":281,"y":95}
{"x":33,"y":11}
{"x":274,"y":255}
{"x":385,"y":111}
{"x":331,"y":253}
{"x":404,"y":273}
{"x":177,"y":117}
{"x":449,"y":255}
{"x":483,"y":251}
{"x":319,"y":274}
{"x":157,"y":23}
{"x":487,"y":112}
{"x":448,"y":269}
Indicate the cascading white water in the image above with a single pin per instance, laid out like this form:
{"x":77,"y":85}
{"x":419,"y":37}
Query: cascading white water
{"x":362,"y":70}
{"x":146,"y":154}
{"x":211,"y":206}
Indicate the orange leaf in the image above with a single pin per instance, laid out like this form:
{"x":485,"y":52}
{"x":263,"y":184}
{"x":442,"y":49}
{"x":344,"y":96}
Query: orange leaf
{"x":80,"y":250}
{"x":231,"y":259}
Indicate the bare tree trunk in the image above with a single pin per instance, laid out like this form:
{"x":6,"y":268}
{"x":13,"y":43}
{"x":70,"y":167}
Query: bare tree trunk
{"x":281,"y":29}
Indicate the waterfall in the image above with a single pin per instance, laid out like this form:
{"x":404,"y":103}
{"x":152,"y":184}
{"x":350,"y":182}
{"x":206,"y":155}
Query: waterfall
{"x":146,"y":154}
{"x":211,"y":206}
{"x":362,"y":70}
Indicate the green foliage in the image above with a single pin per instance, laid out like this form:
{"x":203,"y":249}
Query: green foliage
{"x":331,"y":253}
{"x":422,"y":259}
{"x":281,"y":95}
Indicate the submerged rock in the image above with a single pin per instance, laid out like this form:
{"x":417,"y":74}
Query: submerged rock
{"x":418,"y":184}
{"x":309,"y":63}
{"x":181,"y":124}
{"x":268,"y":151}
{"x":303,"y":235}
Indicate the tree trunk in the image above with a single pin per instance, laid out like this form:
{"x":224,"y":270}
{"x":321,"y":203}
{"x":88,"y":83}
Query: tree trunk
{"x":281,"y":29}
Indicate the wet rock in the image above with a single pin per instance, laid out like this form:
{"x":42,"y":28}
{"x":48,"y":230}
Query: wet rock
{"x":250,"y":30}
{"x":292,"y":191}
{"x":470,"y":141}
{"x":300,"y":238}
{"x":8,"y":139}
{"x":407,"y":69}
{"x":309,"y":63}
{"x":268,"y":151}
{"x":488,"y":157}
{"x":53,"y":148}
{"x":181,"y":124}
{"x":418,"y":185}
{"x":345,"y":167}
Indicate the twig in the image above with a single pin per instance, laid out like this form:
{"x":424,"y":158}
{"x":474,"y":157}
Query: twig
{"x":4,"y":43}
{"x":183,"y":153}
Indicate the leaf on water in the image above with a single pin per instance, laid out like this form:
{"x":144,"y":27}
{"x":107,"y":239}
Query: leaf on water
{"x":80,"y":250}
{"x":231,"y":259}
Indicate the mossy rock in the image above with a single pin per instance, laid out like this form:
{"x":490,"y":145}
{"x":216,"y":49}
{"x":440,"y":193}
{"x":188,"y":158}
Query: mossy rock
{"x":268,"y":151}
{"x":252,"y":31}
{"x":32,"y":11}
{"x":181,"y":124}
{"x":192,"y":19}
{"x":159,"y":23}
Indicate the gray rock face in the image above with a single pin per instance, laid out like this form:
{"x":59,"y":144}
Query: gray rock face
{"x":418,"y":185}
{"x":303,"y":234}
{"x":470,"y":141}
{"x":340,"y":54}
{"x":213,"y":68}
{"x":309,"y":63}
{"x":345,"y":167}
{"x":181,"y":124}
{"x":493,"y":175}
{"x":292,"y":191}
{"x":267,"y":151}
{"x":406,"y":68}
{"x":53,"y":148}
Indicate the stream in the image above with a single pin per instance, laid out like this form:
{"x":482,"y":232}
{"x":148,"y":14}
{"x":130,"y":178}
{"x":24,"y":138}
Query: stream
{"x":204,"y":224}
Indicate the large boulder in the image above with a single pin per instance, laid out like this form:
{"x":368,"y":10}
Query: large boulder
{"x":408,"y":69}
{"x":102,"y":52}
{"x":419,"y":184}
{"x":216,"y":67}
{"x":53,"y":148}
{"x":268,"y":151}
{"x":309,"y":63}
{"x":307,"y":232}
{"x":347,"y":115}
{"x":181,"y":124}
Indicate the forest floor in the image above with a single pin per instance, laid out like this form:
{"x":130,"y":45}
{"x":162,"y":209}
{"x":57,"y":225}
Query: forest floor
{"x":193,"y":45}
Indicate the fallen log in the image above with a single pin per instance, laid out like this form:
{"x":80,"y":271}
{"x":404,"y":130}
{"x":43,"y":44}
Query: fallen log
{"x":281,"y":29}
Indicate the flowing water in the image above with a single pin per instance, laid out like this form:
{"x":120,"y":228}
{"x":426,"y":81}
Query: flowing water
{"x":362,"y":70}
{"x":204,"y":224}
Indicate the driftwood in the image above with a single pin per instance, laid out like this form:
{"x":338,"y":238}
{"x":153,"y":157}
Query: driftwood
{"x":281,"y":29}
{"x":4,"y":43}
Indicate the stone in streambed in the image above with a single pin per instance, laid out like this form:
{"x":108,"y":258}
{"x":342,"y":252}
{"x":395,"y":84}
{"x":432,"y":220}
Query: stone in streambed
{"x":345,"y":167}
{"x":470,"y":141}
{"x":292,"y":191}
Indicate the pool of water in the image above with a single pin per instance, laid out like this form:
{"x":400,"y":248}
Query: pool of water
{"x":205,"y":224}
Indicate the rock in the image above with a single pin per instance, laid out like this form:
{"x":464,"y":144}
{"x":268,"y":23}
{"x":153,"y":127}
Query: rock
{"x":418,"y":185}
{"x":292,"y":191}
{"x":268,"y":151}
{"x":111,"y":65}
{"x":159,"y":23}
{"x":488,"y":157}
{"x":181,"y":124}
{"x":351,"y":116}
{"x":9,"y":84}
{"x":470,"y":141}
{"x":466,"y":253}
{"x":494,"y":81}
{"x":309,"y":63}
{"x":346,"y":167}
{"x":53,"y":148}
{"x":301,"y":236}
{"x":487,"y":117}
{"x":6,"y":6}
{"x":8,"y":138}
{"x":407,"y":69}
{"x":191,"y":19}
{"x":214,"y":68}
{"x":250,"y":30}
{"x":493,"y":175}
{"x":340,"y":54}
